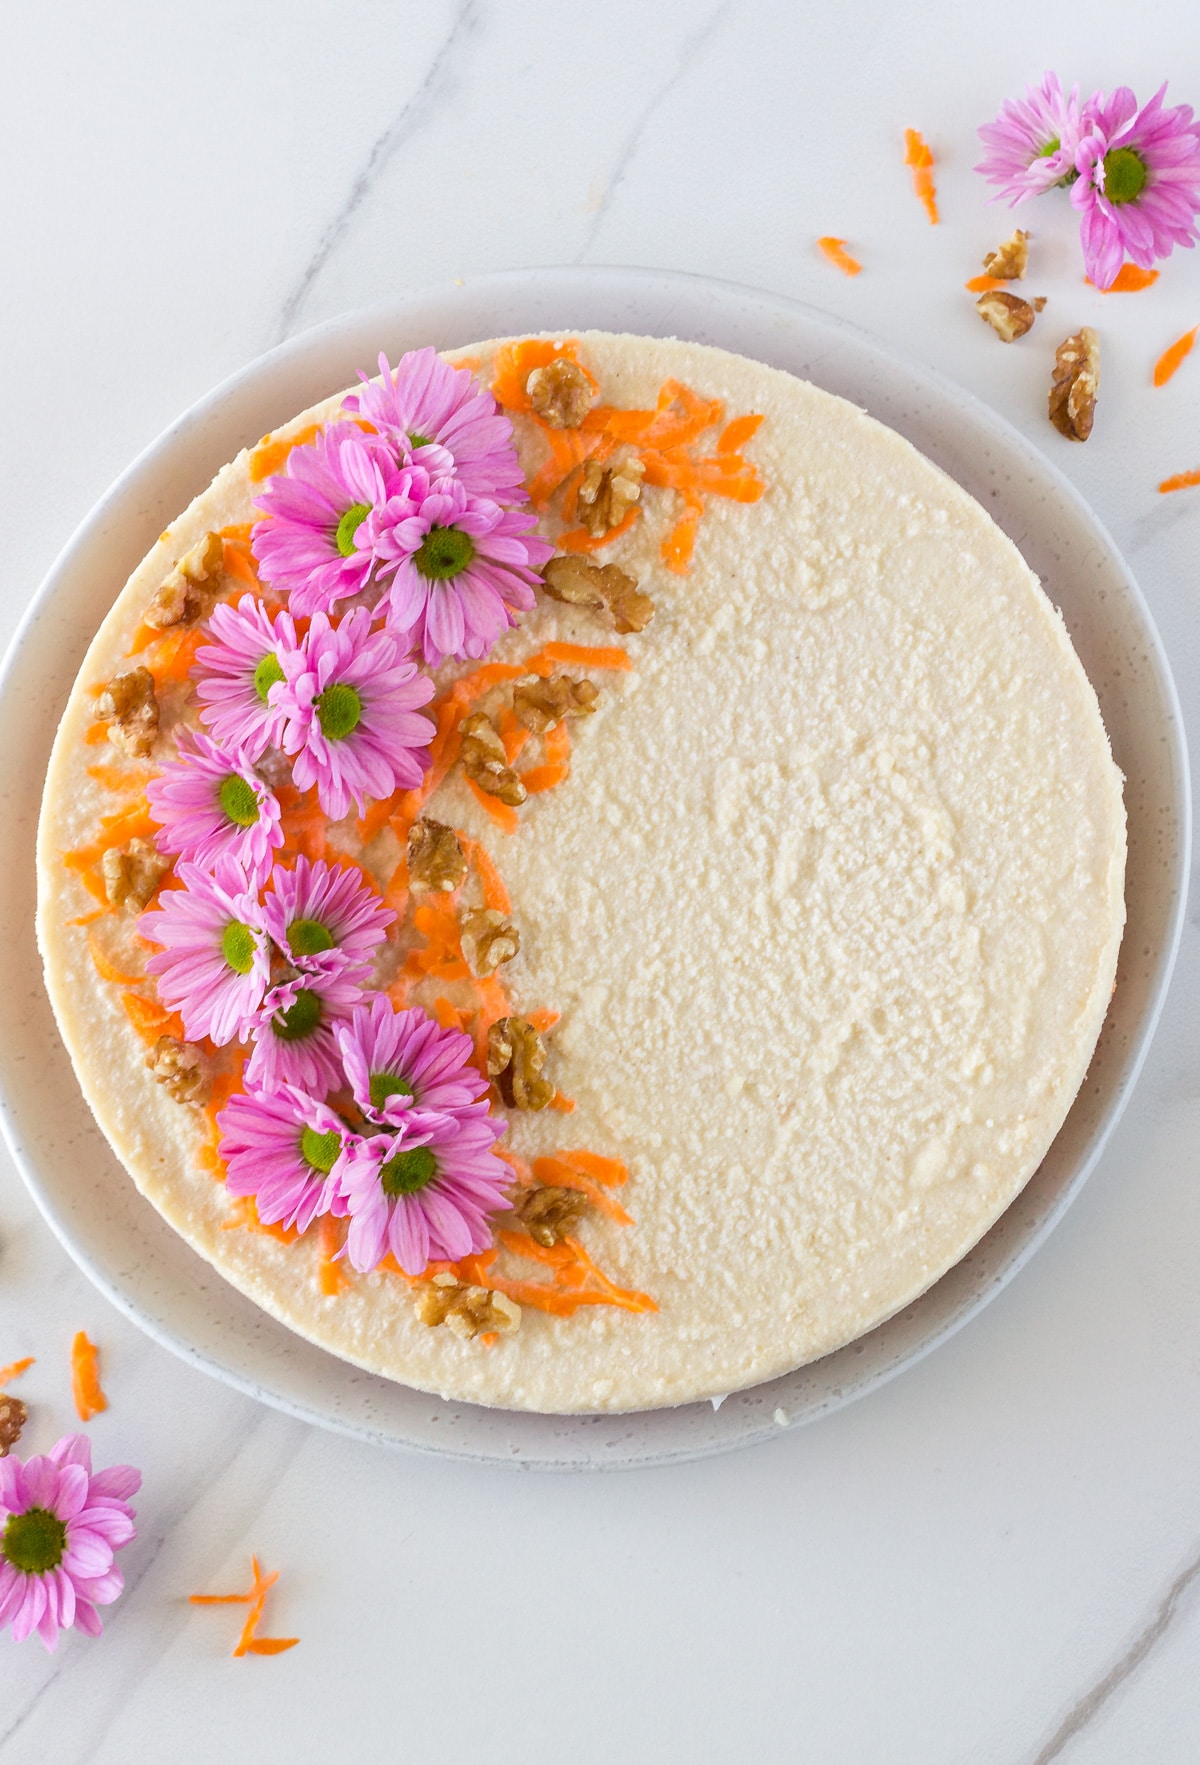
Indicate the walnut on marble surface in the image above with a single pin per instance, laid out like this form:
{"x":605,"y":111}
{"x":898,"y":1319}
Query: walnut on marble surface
{"x":436,"y":859}
{"x":606,"y":493}
{"x":1010,"y":260}
{"x":131,"y":703}
{"x":599,"y":588}
{"x":549,"y":1213}
{"x":560,"y":393}
{"x":516,"y":1055}
{"x":485,"y":762}
{"x":468,"y":1311}
{"x":13,"y":1417}
{"x":488,"y":939}
{"x":1008,"y":315}
{"x":132,"y":872}
{"x":181,"y":1069}
{"x":542,"y":704}
{"x":1076,"y":381}
{"x":187,"y":594}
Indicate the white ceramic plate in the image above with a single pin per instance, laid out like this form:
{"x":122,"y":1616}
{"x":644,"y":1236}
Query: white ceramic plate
{"x":150,"y":1273}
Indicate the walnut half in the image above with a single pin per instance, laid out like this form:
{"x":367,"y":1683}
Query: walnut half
{"x":1008,"y":315}
{"x":516,"y":1055}
{"x":606,"y":493}
{"x":468,"y":1311}
{"x":130,"y":701}
{"x":436,"y":859}
{"x":485,"y":762}
{"x":188,"y":592}
{"x":1076,"y":381}
{"x":1010,"y":260}
{"x":132,"y":873}
{"x":13,"y":1417}
{"x":549,"y":1212}
{"x":488,"y":939}
{"x":180,"y":1068}
{"x":580,"y":583}
{"x":560,"y":393}
{"x":542,"y":704}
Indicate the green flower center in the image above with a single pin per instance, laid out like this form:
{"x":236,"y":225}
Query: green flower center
{"x":238,"y":945}
{"x":238,"y":801}
{"x":408,"y":1171}
{"x":1124,"y":175}
{"x":415,"y":441}
{"x":34,"y":1542}
{"x":269,"y":670}
{"x":320,"y":1151}
{"x":339,"y":709}
{"x":1049,"y":148}
{"x":349,"y":525}
{"x":445,"y":553}
{"x":387,"y":1084}
{"x":299,"y":1020}
{"x":308,"y":937}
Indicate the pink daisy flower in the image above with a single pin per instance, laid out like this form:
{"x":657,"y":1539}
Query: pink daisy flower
{"x":212,"y":804}
{"x":1031,"y":145}
{"x":425,"y":1193}
{"x":439,"y":418}
{"x":353,"y":724}
{"x":214,"y":964}
{"x":318,"y":907}
{"x":1138,"y":189}
{"x":287,"y":1150}
{"x":236,"y":673}
{"x":61,"y":1524}
{"x":293,"y":1028}
{"x":459,"y":565}
{"x":311,"y":543}
{"x":395,"y":1061}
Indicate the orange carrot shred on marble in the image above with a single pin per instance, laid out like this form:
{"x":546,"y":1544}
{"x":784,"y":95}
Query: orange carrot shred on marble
{"x":14,"y":1369}
{"x":1181,"y":481}
{"x":580,"y":540}
{"x":506,"y":818}
{"x":271,"y":1645}
{"x":249,"y":1642}
{"x":839,"y":257}
{"x":919,"y":158}
{"x":85,"y":1378}
{"x":270,"y":456}
{"x":985,"y":284}
{"x":1130,"y":279}
{"x":1171,"y":359}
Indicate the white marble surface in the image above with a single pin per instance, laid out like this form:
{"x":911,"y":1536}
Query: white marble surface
{"x":995,"y":1558}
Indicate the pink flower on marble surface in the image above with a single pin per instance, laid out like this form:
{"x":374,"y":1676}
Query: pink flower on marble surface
{"x":427,"y":1192}
{"x":352,"y":700}
{"x":396,"y":1061}
{"x":61,"y":1524}
{"x":287,"y":1150}
{"x":318,"y":907}
{"x":461,"y":567}
{"x":439,"y":418}
{"x":292,"y":1030}
{"x":315,"y":544}
{"x":212,"y":804}
{"x":214,"y":963}
{"x":1031,"y":145}
{"x":1138,"y":190}
{"x":236,"y":675}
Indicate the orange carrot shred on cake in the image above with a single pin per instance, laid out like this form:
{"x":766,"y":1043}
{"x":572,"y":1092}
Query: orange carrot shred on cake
{"x":95,"y":734}
{"x":237,"y":564}
{"x":270,"y":456}
{"x":107,"y":969}
{"x":543,"y":1020}
{"x":580,"y":540}
{"x":588,"y":655}
{"x":506,"y":819}
{"x":564,"y":1105}
{"x":1181,"y":481}
{"x":919,"y":158}
{"x":839,"y":257}
{"x":1171,"y":359}
{"x":1130,"y":279}
{"x":605,"y":1170}
{"x":736,"y":434}
{"x":543,"y":778}
{"x":985,"y":284}
{"x":514,"y":362}
{"x":85,"y":1379}
{"x":557,"y":1171}
{"x":14,"y":1369}
{"x":513,"y":734}
{"x":495,"y":895}
{"x":330,"y":1277}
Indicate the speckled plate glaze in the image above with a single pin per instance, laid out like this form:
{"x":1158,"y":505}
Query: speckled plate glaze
{"x":151,"y":1274}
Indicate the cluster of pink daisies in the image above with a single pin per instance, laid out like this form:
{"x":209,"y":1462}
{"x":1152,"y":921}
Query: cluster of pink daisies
{"x":1133,"y":170}
{"x":397,"y":538}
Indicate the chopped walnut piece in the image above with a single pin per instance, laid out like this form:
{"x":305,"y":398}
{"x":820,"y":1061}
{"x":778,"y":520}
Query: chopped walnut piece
{"x":607,"y":492}
{"x":181,"y":1069}
{"x":560,"y":393}
{"x":468,"y":1311}
{"x":132,"y":873}
{"x":1008,"y":315}
{"x":542,"y":704}
{"x":188,"y":592}
{"x":13,"y":1417}
{"x":516,"y":1055}
{"x":1010,"y":260}
{"x":129,"y":700}
{"x":580,"y":583}
{"x":436,"y":859}
{"x":1072,"y":406}
{"x":549,"y":1212}
{"x":485,"y":762}
{"x":488,"y":939}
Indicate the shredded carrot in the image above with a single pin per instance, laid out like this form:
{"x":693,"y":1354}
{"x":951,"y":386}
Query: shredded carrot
{"x":564,"y":1105}
{"x":735,"y":435}
{"x":90,"y":918}
{"x":150,"y":1019}
{"x":270,"y":456}
{"x":447,"y":1015}
{"x":1181,"y":481}
{"x":238,"y":564}
{"x":495,"y":895}
{"x":605,"y":1170}
{"x":513,"y":734}
{"x":121,"y":778}
{"x":506,"y":819}
{"x":839,"y":257}
{"x":514,"y":362}
{"x":377,"y":817}
{"x":85,"y":1379}
{"x":918,"y":156}
{"x":577,"y":1278}
{"x":543,"y":1020}
{"x":96,"y":733}
{"x":580,"y":540}
{"x":543,"y":778}
{"x":985,"y":284}
{"x":1130,"y":279}
{"x":13,"y":1370}
{"x":329,"y":1272}
{"x":244,"y":1214}
{"x":271,"y":1645}
{"x":249,"y":1642}
{"x":1172,"y":358}
{"x":590,"y":656}
{"x":564,"y":1175}
{"x":107,"y":969}
{"x":676,"y":549}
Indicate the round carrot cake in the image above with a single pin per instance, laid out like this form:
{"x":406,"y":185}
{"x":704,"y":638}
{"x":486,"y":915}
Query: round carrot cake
{"x":581,"y":874}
